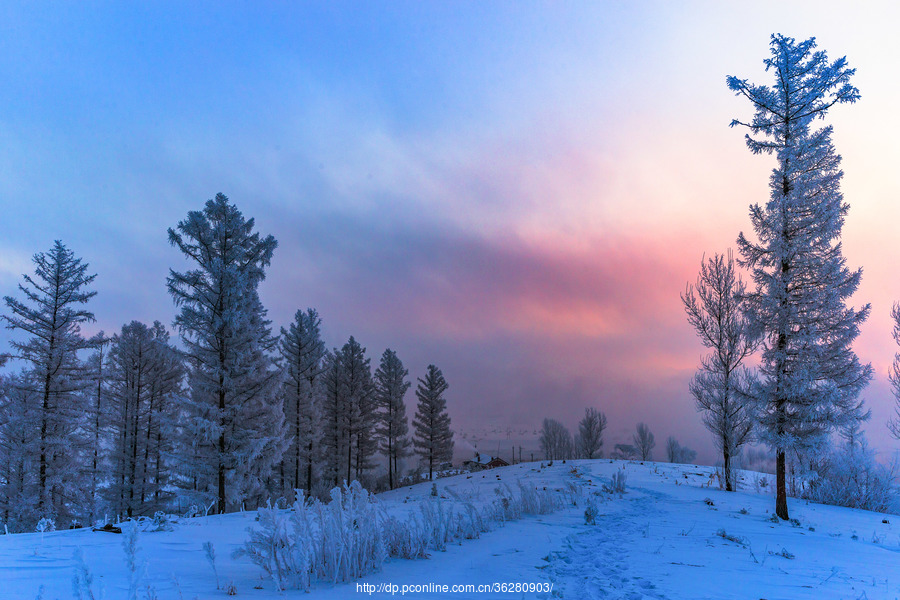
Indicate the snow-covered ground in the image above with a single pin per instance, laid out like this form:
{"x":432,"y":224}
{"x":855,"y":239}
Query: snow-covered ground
{"x":673,"y":534}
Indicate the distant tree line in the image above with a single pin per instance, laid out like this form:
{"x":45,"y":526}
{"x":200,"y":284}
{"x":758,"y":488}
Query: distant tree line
{"x":557,"y":442}
{"x":128,"y":424}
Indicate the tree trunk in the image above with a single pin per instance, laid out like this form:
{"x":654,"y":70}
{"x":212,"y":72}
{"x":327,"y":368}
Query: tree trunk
{"x":390,"y":460}
{"x":728,"y":485}
{"x":309,"y":466}
{"x":222,"y":504}
{"x":781,"y":508}
{"x":297,"y":437}
{"x":349,"y":458}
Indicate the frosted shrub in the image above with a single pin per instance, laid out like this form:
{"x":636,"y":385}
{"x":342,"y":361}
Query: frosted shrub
{"x":510,"y":507}
{"x":617,"y":483}
{"x":853,"y":478}
{"x":161,"y":522}
{"x":336,"y":542}
{"x":405,"y":539}
{"x":280,"y":547}
{"x":136,"y":568}
{"x":531,"y":503}
{"x":352,"y":536}
{"x":350,"y":528}
{"x":45,"y":524}
{"x":472,"y":523}
{"x":210,"y":551}
{"x":590,"y":511}
{"x":83,"y":580}
{"x":437,"y":522}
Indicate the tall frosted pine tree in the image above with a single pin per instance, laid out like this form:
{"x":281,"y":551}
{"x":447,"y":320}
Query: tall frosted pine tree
{"x":51,"y":316}
{"x":358,"y":416}
{"x":391,"y":386}
{"x":233,"y":421}
{"x":433,"y":439}
{"x":20,"y":427}
{"x":145,"y":375}
{"x":303,"y":354}
{"x":809,"y":377}
{"x":335,"y":440}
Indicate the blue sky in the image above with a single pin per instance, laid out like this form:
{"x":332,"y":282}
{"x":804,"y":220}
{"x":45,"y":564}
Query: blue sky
{"x":517,"y":192}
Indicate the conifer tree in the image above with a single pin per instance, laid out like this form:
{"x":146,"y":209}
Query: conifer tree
{"x":391,"y":386}
{"x":809,"y":375}
{"x":233,"y":421}
{"x":51,"y":316}
{"x":358,"y":418}
{"x":96,"y":404}
{"x":20,"y":425}
{"x":335,"y":442}
{"x":303,"y":352}
{"x":433,"y":438}
{"x":145,"y":376}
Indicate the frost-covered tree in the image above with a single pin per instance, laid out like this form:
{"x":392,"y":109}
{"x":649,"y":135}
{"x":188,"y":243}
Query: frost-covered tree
{"x":590,"y":433}
{"x":644,"y":442}
{"x":359,"y":415}
{"x":145,"y":375}
{"x":232,"y":421}
{"x":713,"y":306}
{"x":96,"y":405}
{"x":894,"y":375}
{"x":390,"y":388}
{"x":556,"y":441}
{"x":302,"y":352}
{"x":624,"y":452}
{"x":851,"y":476}
{"x":20,"y":425}
{"x":51,"y":316}
{"x":433,"y":438}
{"x":676,"y":453}
{"x":809,"y":376}
{"x":335,"y":442}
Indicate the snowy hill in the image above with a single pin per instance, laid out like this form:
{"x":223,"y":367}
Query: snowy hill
{"x":672,"y":534}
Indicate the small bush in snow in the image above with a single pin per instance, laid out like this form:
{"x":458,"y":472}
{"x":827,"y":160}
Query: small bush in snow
{"x":731,"y":538}
{"x":210,"y":551}
{"x":852,"y":478}
{"x":617,"y":483}
{"x":335,"y":542}
{"x":83,"y":580}
{"x":590,"y":511}
{"x":136,"y":568}
{"x":45,"y":524}
{"x":783,"y":554}
{"x":161,"y":522}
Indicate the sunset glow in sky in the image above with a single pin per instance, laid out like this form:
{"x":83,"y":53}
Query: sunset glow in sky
{"x":516,"y":192}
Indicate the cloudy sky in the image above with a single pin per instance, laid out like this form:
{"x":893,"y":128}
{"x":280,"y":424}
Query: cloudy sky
{"x":516,"y":192}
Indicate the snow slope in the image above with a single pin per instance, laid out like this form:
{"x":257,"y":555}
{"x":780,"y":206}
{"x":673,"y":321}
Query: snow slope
{"x":661,"y":539}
